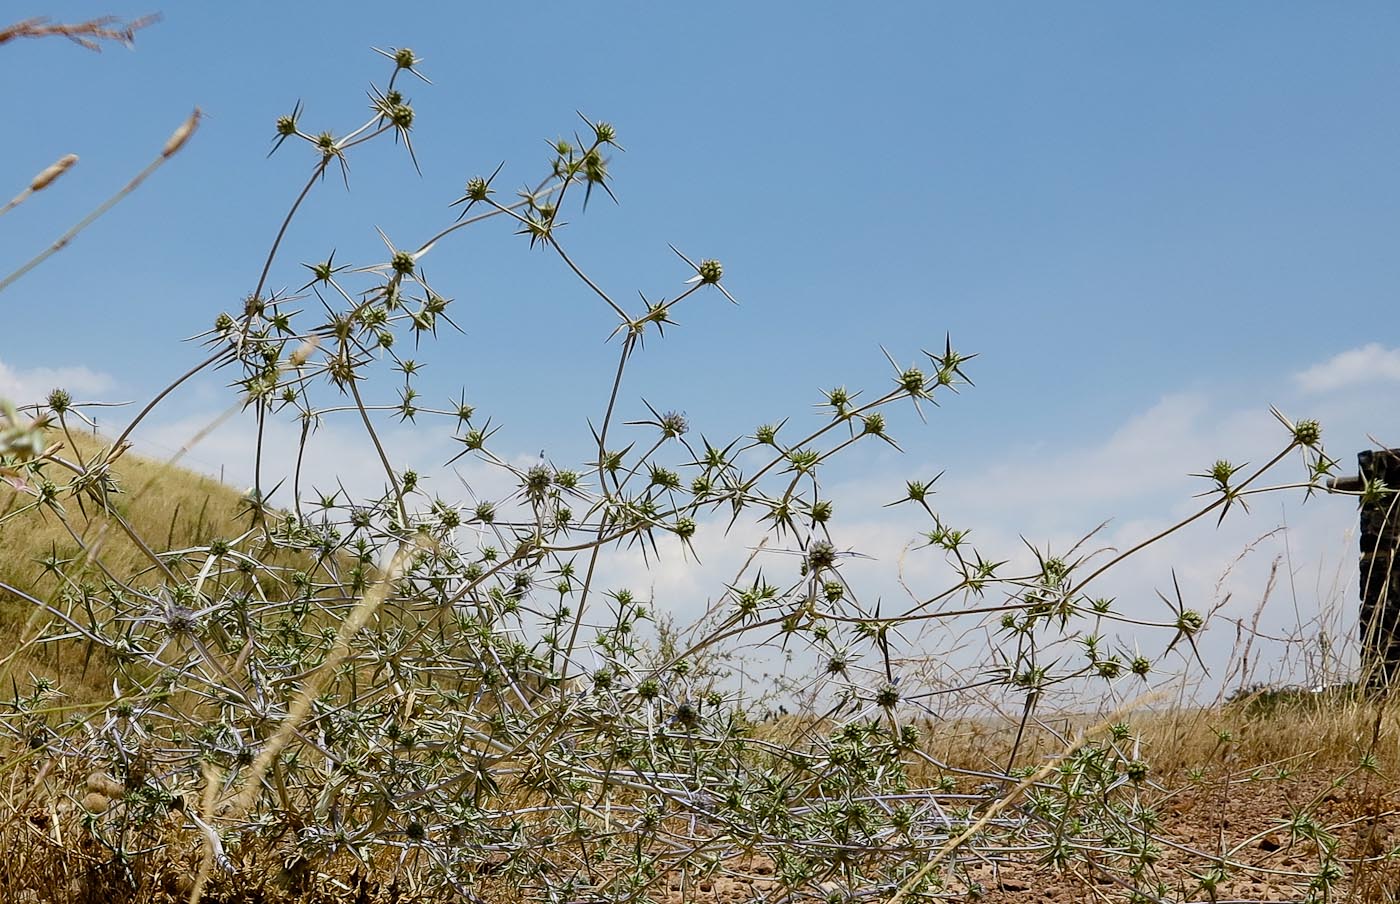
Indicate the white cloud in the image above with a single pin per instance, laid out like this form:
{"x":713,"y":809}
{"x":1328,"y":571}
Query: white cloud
{"x":1373,"y":363}
{"x":25,"y":386}
{"x":1142,"y":467}
{"x":338,"y":454}
{"x":1054,"y":494}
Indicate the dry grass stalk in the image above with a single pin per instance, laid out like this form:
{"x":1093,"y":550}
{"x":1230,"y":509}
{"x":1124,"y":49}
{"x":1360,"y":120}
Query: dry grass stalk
{"x":90,"y":34}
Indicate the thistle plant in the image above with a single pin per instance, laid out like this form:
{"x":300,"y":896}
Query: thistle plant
{"x":408,"y":684}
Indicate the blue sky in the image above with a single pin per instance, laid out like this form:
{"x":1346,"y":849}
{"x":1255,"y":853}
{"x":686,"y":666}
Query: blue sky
{"x":1144,"y":217}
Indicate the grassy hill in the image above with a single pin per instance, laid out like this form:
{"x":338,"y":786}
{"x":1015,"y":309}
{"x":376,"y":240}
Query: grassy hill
{"x":165,"y":505}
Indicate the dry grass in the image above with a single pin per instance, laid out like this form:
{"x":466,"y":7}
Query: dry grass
{"x":1330,"y":731}
{"x":1285,"y":730}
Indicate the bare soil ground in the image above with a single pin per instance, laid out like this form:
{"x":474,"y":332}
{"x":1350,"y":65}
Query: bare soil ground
{"x":1245,"y":825}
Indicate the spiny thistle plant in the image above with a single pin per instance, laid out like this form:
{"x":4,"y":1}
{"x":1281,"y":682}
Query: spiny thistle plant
{"x":444,"y":694}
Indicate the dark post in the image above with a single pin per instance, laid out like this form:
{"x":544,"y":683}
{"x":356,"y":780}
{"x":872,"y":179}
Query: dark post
{"x":1380,"y":570}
